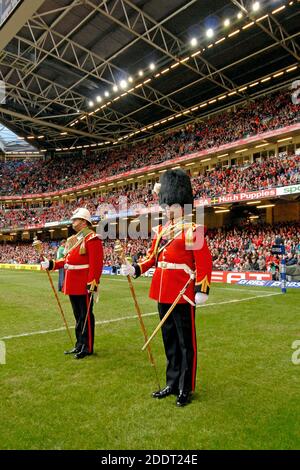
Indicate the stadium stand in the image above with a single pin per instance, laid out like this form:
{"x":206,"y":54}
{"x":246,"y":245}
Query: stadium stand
{"x":271,"y":173}
{"x":266,"y":113}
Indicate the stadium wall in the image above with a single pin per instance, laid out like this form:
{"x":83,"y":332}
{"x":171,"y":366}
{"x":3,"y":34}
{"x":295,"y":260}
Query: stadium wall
{"x":286,"y":212}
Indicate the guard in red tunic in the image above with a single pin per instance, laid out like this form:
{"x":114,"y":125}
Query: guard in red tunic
{"x":83,"y":263}
{"x":179,"y":253}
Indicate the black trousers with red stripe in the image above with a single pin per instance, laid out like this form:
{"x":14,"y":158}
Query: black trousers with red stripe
{"x":179,"y":338}
{"x":84,"y":339}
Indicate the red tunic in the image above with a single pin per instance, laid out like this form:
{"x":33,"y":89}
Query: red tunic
{"x":76,"y":280}
{"x":189,"y":248}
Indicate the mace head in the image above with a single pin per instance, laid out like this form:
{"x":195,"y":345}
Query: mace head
{"x":37,"y":244}
{"x":118,"y":248}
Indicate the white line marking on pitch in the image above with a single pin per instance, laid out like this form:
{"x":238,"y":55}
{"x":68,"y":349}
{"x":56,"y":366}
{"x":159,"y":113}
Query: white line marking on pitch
{"x":114,"y":320}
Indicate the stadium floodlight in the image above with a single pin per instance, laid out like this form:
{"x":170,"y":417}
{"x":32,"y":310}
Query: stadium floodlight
{"x":239,"y":15}
{"x":130,"y":79}
{"x":99,"y":99}
{"x":106,"y":93}
{"x":227,"y":22}
{"x":209,"y":32}
{"x":255,"y":6}
{"x":152,"y":66}
{"x":115,"y":88}
{"x":261,"y":145}
{"x":194,"y":42}
{"x":223,"y":155}
{"x":141,"y":73}
{"x":123,"y":84}
{"x":91,"y":104}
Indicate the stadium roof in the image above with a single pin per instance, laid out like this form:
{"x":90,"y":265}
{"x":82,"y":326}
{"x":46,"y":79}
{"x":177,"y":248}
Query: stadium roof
{"x":59,"y":67}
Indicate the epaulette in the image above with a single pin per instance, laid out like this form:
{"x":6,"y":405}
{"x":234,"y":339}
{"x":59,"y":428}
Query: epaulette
{"x":190,"y":233}
{"x":91,"y":236}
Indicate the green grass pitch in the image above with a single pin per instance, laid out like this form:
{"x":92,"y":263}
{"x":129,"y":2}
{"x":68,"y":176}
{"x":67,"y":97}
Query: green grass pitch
{"x":247,"y":394}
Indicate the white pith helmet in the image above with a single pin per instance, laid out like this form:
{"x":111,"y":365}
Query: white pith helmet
{"x":82,"y":213}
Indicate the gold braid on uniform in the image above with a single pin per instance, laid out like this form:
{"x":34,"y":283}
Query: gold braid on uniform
{"x":202,"y":286}
{"x":82,"y":249}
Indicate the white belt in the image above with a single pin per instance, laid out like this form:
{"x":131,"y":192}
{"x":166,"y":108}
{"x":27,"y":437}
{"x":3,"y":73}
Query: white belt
{"x":76,"y":266}
{"x":185,"y":267}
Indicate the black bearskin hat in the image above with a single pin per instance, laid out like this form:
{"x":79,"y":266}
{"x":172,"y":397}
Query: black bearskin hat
{"x":175,"y":188}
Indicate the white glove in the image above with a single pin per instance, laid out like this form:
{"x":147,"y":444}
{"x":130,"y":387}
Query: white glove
{"x":200,"y":298}
{"x":45,"y":264}
{"x":127,"y":270}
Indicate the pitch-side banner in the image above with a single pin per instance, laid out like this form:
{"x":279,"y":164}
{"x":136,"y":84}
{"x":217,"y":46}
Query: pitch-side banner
{"x":28,"y":267}
{"x":230,"y":277}
{"x":227,"y":277}
{"x":253,"y":283}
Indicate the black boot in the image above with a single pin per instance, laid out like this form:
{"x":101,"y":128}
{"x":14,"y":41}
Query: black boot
{"x":82,"y":353}
{"x":165,"y":392}
{"x":72,"y":351}
{"x":183,"y":398}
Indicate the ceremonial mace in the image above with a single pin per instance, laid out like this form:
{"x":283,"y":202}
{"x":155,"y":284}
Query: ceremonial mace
{"x":181,"y":294}
{"x":38,"y":246}
{"x":88,"y":312}
{"x":120,"y":252}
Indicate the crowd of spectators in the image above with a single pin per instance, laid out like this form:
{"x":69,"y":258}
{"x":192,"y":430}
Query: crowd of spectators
{"x":61,"y":172}
{"x":24,"y":253}
{"x":244,"y":248}
{"x":135,"y":251}
{"x":248,"y":248}
{"x":269,"y":173}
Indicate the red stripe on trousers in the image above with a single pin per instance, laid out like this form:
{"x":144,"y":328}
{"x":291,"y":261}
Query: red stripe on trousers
{"x":89,"y":325}
{"x":194,"y":348}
